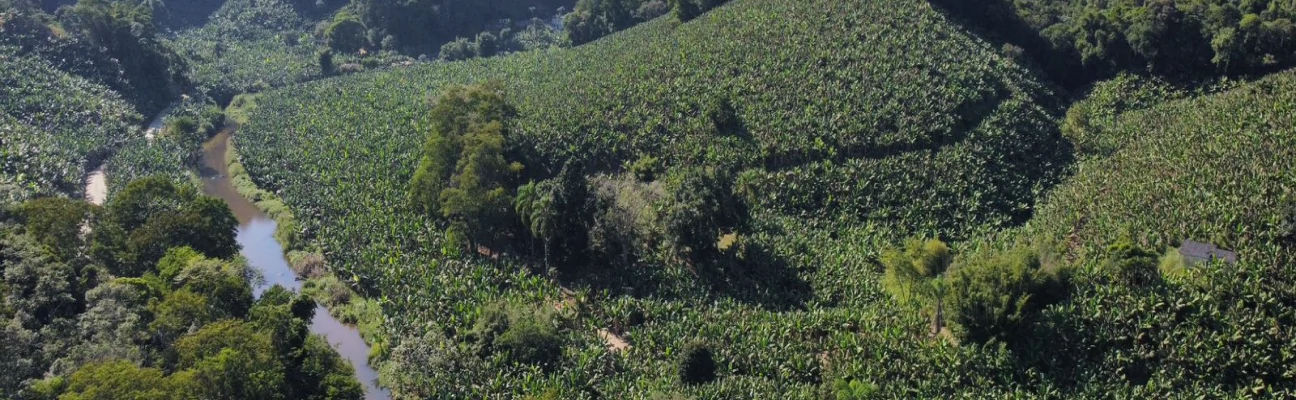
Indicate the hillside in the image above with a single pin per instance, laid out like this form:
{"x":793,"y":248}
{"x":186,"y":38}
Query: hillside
{"x":1215,"y":168}
{"x":648,"y":199}
{"x":1212,"y":168}
{"x":900,"y":107}
{"x":56,"y":125}
{"x":848,"y":139}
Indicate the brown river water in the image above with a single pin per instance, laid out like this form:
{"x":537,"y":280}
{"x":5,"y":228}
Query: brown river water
{"x":263,"y":252}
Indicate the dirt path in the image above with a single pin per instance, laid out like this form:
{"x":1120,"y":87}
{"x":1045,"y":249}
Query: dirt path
{"x":614,"y":343}
{"x":155,"y":125}
{"x":96,"y":183}
{"x":96,"y":190}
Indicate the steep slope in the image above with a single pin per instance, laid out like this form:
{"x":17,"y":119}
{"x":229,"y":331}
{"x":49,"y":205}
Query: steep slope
{"x":1212,"y":168}
{"x":1216,"y":168}
{"x":56,"y":125}
{"x":892,"y":119}
{"x":850,"y":123}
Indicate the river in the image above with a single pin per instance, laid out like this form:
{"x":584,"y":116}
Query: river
{"x":256,"y":236}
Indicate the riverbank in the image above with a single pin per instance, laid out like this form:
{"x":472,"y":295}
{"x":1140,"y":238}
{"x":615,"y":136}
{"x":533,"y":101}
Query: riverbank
{"x":317,"y":281}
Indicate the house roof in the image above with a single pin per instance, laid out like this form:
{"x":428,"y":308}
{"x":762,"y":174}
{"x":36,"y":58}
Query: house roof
{"x":1198,"y":252}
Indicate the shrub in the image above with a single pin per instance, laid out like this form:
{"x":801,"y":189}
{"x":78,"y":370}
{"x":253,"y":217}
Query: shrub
{"x":652,"y":9}
{"x":1132,"y":265}
{"x":696,"y":364}
{"x":181,"y":127}
{"x":487,"y":44}
{"x":459,"y":49}
{"x":525,"y":335}
{"x":308,"y":265}
{"x":531,"y":339}
{"x":993,"y":297}
{"x":702,"y":206}
{"x":910,"y":269}
{"x":1172,"y":266}
{"x":647,"y":168}
{"x":853,"y":389}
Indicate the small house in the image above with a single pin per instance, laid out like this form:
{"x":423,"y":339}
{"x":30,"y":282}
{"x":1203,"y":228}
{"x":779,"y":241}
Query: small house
{"x":1197,"y":252}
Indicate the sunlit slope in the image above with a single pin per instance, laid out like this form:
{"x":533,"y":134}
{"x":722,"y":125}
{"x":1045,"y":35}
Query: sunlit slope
{"x":54,"y":125}
{"x":862,"y":110}
{"x":1219,"y":168}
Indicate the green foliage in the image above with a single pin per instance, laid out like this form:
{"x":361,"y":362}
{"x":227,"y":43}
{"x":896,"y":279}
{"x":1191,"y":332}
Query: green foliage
{"x":326,"y":62}
{"x":593,"y":19}
{"x":476,"y":195}
{"x":685,"y":10}
{"x":1078,"y":41}
{"x":95,"y":335}
{"x":250,"y":46}
{"x":696,"y":364}
{"x":911,"y":270}
{"x":853,"y":389}
{"x":113,"y":44}
{"x":845,"y":128}
{"x":537,"y":35}
{"x":1133,"y":265}
{"x":231,"y":360}
{"x":646,"y":168}
{"x":176,"y":260}
{"x":459,"y":49}
{"x":183,"y":126}
{"x":346,"y":34}
{"x":39,"y":289}
{"x":54,"y":126}
{"x":56,"y":223}
{"x":153,"y":215}
{"x":1205,"y":168}
{"x":1088,"y":119}
{"x":463,"y":174}
{"x":224,"y":284}
{"x":558,"y":212}
{"x":702,"y":206}
{"x":126,"y":30}
{"x":178,"y":313}
{"x":120,"y":380}
{"x":419,"y":25}
{"x":324,"y":374}
{"x":1173,"y":268}
{"x":995,"y":297}
{"x":522,"y":334}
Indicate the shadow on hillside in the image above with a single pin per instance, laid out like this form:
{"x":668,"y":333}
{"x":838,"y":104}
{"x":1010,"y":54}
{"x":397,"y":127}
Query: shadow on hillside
{"x":758,"y":277}
{"x":971,"y":115}
{"x":997,"y":22}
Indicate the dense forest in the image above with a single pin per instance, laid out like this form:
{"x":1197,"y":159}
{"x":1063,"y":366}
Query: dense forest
{"x":657,"y":199}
